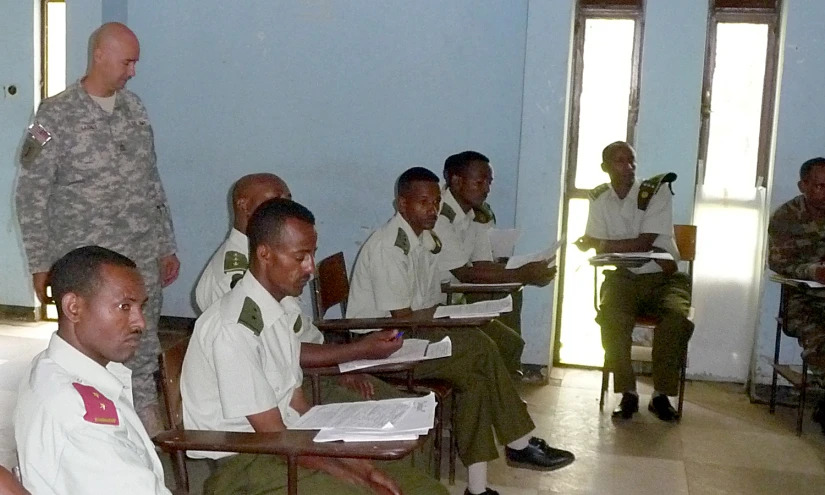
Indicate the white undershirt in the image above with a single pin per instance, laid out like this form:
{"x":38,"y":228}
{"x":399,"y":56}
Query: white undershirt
{"x":107,"y":103}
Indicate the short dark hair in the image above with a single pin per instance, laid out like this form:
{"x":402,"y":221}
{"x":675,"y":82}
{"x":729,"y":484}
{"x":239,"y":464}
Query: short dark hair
{"x":266,"y":224}
{"x":459,"y":163}
{"x":415,"y":174}
{"x":78,"y":271}
{"x":806,"y":167}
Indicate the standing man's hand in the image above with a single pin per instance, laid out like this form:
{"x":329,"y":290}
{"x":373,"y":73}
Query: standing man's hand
{"x":169,"y":269}
{"x":39,"y":281}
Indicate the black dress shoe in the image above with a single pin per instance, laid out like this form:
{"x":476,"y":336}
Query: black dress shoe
{"x":628,"y":406}
{"x":538,"y":456}
{"x":819,"y":414}
{"x":488,"y":491}
{"x":660,"y":405}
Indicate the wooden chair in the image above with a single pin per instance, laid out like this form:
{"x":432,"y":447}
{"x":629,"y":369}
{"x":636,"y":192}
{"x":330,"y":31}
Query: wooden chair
{"x":331,"y":288}
{"x":797,"y":379}
{"x":290,"y":444}
{"x":685,"y":236}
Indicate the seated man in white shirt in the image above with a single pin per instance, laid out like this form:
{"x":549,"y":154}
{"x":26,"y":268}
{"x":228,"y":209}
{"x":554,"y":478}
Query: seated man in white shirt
{"x":467,"y":255}
{"x":75,"y":424}
{"x":396,"y":275}
{"x":242,"y":369}
{"x":628,"y":215}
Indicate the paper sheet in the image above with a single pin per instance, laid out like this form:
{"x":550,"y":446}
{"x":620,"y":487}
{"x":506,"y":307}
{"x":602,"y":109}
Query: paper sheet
{"x":480,"y":309}
{"x":411,"y":350}
{"x":548,"y":255}
{"x":811,"y":284}
{"x":503,"y":241}
{"x":646,"y":255}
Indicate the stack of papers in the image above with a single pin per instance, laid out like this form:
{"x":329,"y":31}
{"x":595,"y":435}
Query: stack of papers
{"x":411,"y":350}
{"x":483,"y":309}
{"x":370,"y":421}
{"x":548,"y":255}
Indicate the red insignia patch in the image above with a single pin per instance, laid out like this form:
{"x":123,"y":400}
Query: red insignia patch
{"x":99,"y":409}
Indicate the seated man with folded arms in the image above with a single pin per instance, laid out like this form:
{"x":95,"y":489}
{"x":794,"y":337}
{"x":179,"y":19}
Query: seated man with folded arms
{"x":242,"y":369}
{"x":396,"y":275}
{"x":796,"y":249}
{"x":627,"y":215}
{"x":75,"y":424}
{"x":467,"y":255}
{"x":228,"y":265}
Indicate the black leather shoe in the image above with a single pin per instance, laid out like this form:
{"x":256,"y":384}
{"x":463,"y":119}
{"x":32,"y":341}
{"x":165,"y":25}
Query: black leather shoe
{"x":488,"y":491}
{"x":660,"y":405}
{"x":819,"y":414}
{"x":538,"y":456}
{"x":628,"y":406}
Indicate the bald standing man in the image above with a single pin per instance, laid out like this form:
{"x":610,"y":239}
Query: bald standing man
{"x":89,"y":176}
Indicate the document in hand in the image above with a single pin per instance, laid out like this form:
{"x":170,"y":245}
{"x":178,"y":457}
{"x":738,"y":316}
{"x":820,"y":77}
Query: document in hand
{"x":643,"y":256}
{"x":503,"y":241}
{"x":479,"y":309}
{"x":375,"y":421}
{"x":411,"y":350}
{"x":808,"y":284}
{"x":548,"y":255}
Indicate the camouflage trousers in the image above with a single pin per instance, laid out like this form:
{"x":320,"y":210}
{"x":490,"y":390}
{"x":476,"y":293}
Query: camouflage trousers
{"x":806,"y":322}
{"x":144,"y":364}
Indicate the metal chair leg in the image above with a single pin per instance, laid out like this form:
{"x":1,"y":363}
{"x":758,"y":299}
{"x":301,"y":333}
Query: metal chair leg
{"x":453,"y":440}
{"x":682,"y":380}
{"x":800,"y":415}
{"x":605,"y":385}
{"x":439,"y":437}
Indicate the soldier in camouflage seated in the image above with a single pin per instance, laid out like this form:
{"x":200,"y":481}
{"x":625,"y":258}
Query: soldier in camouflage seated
{"x":796,"y":242}
{"x":628,"y":215}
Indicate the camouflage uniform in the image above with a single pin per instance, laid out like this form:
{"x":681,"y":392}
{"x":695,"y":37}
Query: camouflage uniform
{"x":96,"y":183}
{"x":796,"y":248}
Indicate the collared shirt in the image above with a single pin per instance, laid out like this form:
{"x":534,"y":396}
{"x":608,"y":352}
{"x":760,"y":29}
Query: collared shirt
{"x":795,"y":247}
{"x":95,"y":183}
{"x":463,"y":239}
{"x":613,"y":218}
{"x":77,"y":430}
{"x":243,"y":359}
{"x":226,"y":268}
{"x":395,"y":269}
{"x":223,"y":271}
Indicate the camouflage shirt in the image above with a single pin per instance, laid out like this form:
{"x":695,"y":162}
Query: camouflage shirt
{"x":796,"y":241}
{"x":95,"y":182}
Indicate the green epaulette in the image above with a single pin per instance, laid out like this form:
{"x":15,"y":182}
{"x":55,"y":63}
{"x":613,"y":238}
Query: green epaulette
{"x":597,"y":191}
{"x":234,"y":261}
{"x":251,"y":317}
{"x":402,"y":241}
{"x":484,"y":214}
{"x":437,"y":248}
{"x":299,"y":324}
{"x":448,"y":212}
{"x":651,"y":186}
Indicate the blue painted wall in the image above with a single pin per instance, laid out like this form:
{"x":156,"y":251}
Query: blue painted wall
{"x":337,"y":97}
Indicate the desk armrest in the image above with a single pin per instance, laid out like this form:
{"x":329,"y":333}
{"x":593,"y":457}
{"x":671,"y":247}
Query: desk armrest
{"x":506,"y":288}
{"x":290,"y":443}
{"x":347,"y":324}
{"x":382,"y":368}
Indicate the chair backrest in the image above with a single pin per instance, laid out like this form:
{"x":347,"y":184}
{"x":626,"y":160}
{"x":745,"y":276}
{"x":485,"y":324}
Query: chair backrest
{"x":330,"y":285}
{"x":171,"y":364}
{"x":685,"y":236}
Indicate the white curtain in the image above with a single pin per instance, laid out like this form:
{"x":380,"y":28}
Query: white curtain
{"x":731,"y":235}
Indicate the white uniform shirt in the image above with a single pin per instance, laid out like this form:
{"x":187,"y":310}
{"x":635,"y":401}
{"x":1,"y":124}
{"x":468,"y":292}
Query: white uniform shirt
{"x":77,"y":431}
{"x":395,"y":270}
{"x":463,"y":239}
{"x":612,"y":218}
{"x":234,"y":369}
{"x":228,"y":263}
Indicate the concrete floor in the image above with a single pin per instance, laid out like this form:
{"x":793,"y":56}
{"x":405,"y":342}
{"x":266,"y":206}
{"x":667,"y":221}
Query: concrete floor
{"x":724,"y":444}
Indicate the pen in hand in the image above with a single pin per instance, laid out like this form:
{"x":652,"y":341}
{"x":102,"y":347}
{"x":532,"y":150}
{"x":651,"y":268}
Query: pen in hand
{"x":399,"y":335}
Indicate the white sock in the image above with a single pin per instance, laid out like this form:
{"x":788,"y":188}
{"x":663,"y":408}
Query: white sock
{"x":477,"y":477}
{"x":521,"y":443}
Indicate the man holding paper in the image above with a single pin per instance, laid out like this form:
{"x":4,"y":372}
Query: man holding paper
{"x":631,"y":216}
{"x":467,"y":255}
{"x":396,"y":275}
{"x":242,"y":369}
{"x":796,"y":250}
